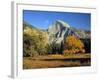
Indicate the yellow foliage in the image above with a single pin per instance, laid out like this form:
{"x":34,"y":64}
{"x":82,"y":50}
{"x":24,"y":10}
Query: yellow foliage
{"x":73,"y":45}
{"x":73,"y":42}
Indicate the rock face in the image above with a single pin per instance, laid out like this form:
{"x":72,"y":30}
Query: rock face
{"x":59,"y":31}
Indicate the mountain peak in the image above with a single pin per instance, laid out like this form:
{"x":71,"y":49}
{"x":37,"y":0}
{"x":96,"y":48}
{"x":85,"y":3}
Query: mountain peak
{"x":58,"y":25}
{"x":63,"y":23}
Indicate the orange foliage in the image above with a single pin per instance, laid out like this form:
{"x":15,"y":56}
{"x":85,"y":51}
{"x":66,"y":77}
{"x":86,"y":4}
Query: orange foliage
{"x":73,"y":45}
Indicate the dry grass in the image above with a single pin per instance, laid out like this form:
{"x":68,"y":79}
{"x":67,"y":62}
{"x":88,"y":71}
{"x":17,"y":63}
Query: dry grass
{"x":88,"y":55}
{"x":53,"y":61}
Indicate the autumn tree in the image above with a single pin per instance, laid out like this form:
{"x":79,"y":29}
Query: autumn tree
{"x":34,"y":42}
{"x":73,"y":45}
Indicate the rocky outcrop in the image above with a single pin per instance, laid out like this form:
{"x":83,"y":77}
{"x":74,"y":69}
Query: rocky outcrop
{"x":59,"y":31}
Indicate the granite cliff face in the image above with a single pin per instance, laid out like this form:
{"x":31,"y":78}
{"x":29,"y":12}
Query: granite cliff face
{"x":59,"y":31}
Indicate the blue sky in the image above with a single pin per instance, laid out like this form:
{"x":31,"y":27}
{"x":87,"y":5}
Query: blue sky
{"x":42,"y":19}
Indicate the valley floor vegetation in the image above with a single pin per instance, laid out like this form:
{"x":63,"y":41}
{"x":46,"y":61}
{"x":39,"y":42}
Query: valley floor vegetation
{"x":57,"y":60}
{"x":38,"y":52}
